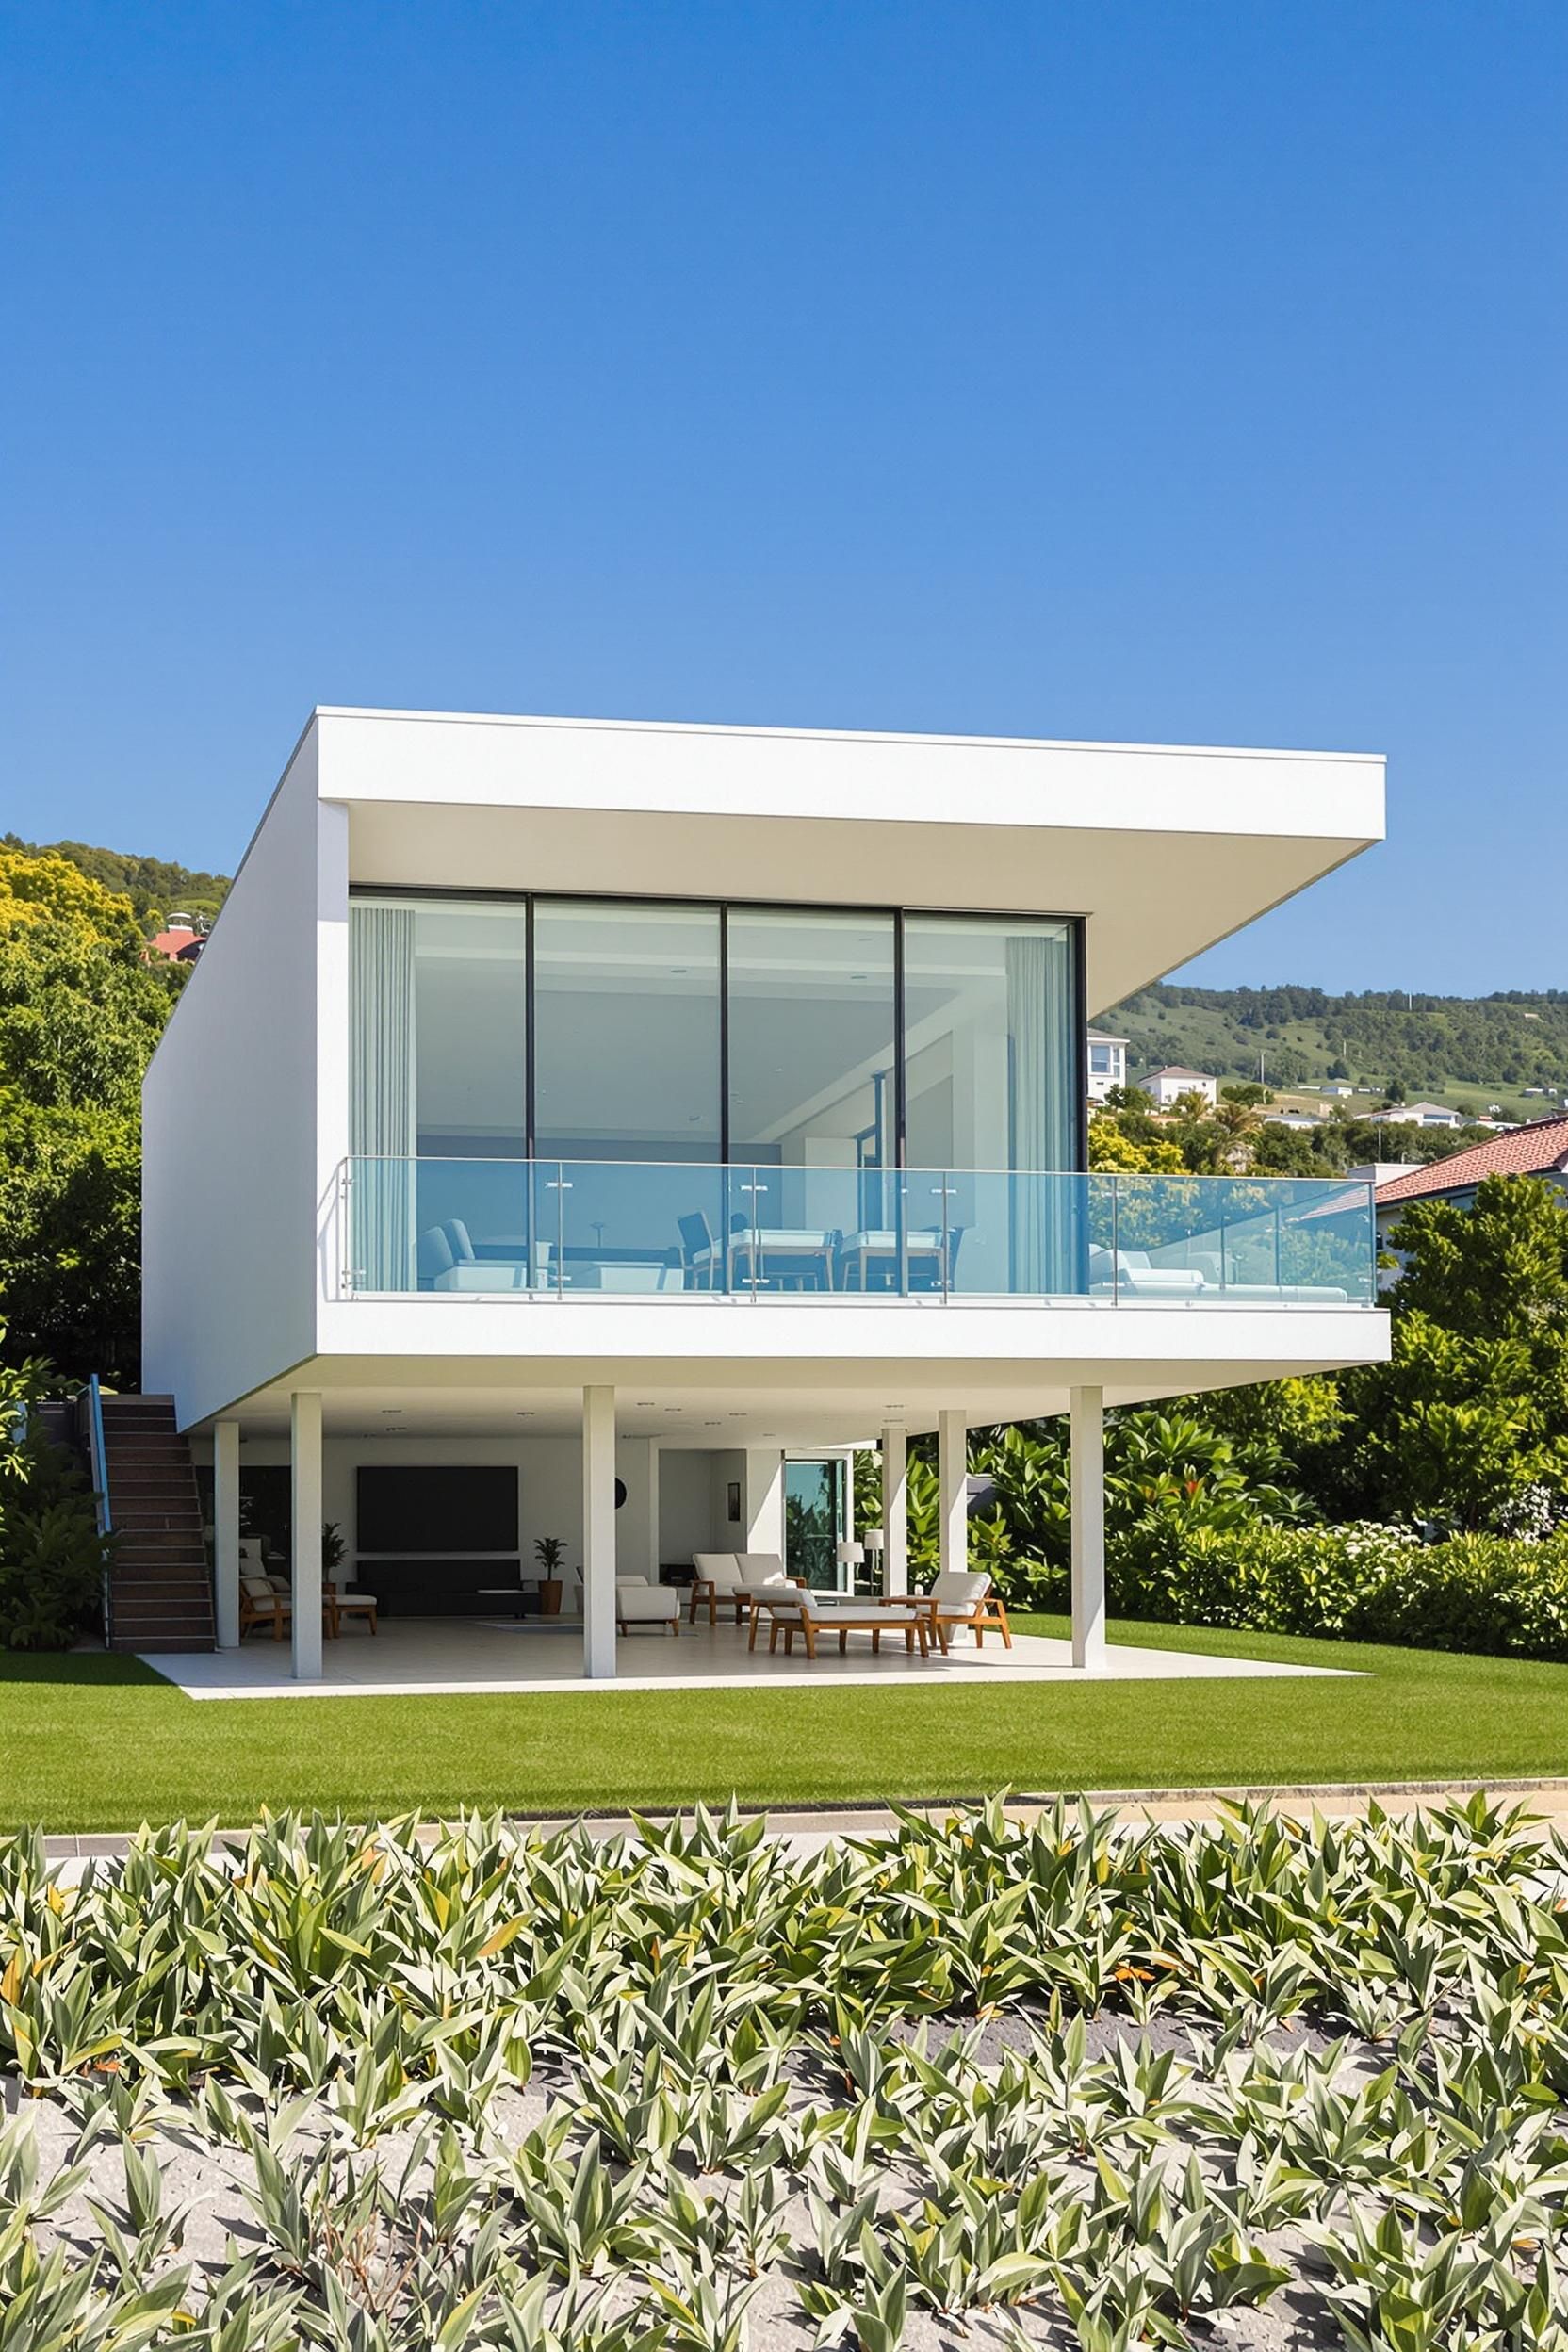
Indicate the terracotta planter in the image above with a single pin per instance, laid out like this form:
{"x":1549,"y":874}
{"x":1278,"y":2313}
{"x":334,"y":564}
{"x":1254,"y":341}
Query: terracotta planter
{"x":550,"y":1588}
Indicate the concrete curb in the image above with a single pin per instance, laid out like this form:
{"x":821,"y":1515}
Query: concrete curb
{"x":850,"y":1819}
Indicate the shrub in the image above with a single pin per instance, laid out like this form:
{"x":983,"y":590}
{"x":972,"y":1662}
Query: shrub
{"x":52,"y":1556}
{"x":1366,"y":1583}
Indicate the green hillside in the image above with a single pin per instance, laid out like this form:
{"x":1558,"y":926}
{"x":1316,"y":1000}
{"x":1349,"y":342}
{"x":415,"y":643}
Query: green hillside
{"x":154,"y":888}
{"x":1465,"y":1051}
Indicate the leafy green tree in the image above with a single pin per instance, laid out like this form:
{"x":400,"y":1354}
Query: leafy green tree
{"x":1471,"y":1413}
{"x":80,"y":1013}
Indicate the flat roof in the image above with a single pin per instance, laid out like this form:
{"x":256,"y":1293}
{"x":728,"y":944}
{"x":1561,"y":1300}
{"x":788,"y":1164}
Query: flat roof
{"x":1164,"y":848}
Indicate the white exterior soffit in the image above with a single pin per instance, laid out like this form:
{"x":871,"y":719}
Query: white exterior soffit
{"x":737,"y":1401}
{"x":1166,"y":849}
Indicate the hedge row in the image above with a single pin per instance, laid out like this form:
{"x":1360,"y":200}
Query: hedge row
{"x":1485,"y":1593}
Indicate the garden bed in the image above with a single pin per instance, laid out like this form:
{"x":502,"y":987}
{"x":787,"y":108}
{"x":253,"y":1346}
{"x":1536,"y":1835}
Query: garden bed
{"x":974,"y":2082}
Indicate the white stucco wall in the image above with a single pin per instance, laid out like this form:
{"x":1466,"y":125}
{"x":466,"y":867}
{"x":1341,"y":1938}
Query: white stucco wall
{"x":230,"y":1182}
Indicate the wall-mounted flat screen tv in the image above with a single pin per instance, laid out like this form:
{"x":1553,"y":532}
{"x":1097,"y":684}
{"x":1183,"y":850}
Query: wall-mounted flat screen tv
{"x":445,"y":1510}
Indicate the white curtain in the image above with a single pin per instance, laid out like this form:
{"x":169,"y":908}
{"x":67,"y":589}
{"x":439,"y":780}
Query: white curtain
{"x":1040,"y":1069}
{"x":381,"y":1129}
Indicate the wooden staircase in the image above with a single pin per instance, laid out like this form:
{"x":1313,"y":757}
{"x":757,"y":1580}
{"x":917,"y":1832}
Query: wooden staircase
{"x":161,"y":1586}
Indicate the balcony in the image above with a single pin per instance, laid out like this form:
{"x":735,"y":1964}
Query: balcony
{"x":546,"y":1229}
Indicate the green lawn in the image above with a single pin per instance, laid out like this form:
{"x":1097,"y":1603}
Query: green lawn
{"x":94,"y":1742}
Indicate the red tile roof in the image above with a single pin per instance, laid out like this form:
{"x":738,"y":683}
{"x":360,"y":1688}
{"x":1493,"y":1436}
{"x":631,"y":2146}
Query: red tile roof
{"x":1532,"y":1151}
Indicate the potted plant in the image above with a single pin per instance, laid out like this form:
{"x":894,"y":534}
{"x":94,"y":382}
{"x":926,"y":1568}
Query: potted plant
{"x":549,"y":1551}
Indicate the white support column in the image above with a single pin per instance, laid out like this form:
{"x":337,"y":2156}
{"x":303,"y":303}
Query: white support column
{"x":1087,"y":1419}
{"x":895,"y":1510}
{"x":304,"y":1462}
{"x":953,"y":1489}
{"x":763,"y":1501}
{"x":598,"y":1534}
{"x":225,"y":1531}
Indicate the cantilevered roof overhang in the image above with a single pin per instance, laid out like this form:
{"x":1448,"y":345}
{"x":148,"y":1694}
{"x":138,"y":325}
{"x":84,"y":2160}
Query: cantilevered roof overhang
{"x":1163,"y":849}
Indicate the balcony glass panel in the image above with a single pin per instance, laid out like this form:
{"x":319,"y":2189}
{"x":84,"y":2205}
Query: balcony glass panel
{"x":811,"y":1038}
{"x":626,"y":1031}
{"x":762,"y":1231}
{"x":1241,"y":1240}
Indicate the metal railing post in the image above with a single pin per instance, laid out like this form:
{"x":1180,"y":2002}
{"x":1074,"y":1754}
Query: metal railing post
{"x":98,"y":1462}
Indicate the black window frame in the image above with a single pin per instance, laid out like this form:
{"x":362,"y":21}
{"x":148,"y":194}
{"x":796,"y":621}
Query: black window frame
{"x":899,"y":916}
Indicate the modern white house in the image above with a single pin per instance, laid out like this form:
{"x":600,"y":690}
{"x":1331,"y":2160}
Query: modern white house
{"x":598,"y":1130}
{"x":1418,"y":1115}
{"x":1107,"y":1063}
{"x":1169,"y":1084}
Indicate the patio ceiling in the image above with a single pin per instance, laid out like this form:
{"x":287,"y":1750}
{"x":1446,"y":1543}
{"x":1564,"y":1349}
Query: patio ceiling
{"x":724,"y":1405}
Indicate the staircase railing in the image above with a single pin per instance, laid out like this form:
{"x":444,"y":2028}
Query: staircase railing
{"x":98,"y":1463}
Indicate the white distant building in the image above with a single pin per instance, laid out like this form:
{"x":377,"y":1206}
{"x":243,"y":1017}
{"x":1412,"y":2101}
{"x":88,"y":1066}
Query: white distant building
{"x":1419,"y":1115}
{"x":1107,"y":1063}
{"x":1167,"y":1086}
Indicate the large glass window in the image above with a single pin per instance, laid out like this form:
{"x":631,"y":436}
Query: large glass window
{"x":627,"y":1091}
{"x":990,"y":1042}
{"x":813,"y":1083}
{"x":813,"y":1049}
{"x":990,"y":1024}
{"x":626,"y":1031}
{"x":438,"y":1089}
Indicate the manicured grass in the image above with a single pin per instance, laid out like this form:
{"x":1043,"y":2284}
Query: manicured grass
{"x":94,"y":1742}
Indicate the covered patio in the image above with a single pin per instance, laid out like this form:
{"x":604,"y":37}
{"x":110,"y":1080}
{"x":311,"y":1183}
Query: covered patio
{"x":432,"y":1656}
{"x":441,"y":1482}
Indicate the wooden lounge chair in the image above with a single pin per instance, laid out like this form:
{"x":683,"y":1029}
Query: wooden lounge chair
{"x":958,"y":1598}
{"x":262,"y":1604}
{"x":346,"y":1601}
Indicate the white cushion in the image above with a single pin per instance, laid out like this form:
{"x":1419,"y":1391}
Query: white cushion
{"x":719,"y":1569}
{"x":955,"y":1588}
{"x":639,"y":1603}
{"x":761,"y":1568}
{"x":259,"y":1588}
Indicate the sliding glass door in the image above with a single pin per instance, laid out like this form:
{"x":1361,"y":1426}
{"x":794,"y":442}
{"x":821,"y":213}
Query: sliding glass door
{"x":815,"y":1494}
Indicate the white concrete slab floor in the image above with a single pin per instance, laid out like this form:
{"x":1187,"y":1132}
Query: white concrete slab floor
{"x":433,"y":1656}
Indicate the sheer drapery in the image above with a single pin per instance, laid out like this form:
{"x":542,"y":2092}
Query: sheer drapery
{"x":1041,"y":1064}
{"x":382,"y":1132}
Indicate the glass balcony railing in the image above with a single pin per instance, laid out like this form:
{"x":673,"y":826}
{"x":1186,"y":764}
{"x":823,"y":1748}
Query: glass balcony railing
{"x":544,"y":1228}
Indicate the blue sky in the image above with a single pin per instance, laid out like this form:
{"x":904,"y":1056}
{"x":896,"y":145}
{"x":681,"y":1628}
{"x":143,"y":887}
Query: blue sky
{"x":1171,"y":372}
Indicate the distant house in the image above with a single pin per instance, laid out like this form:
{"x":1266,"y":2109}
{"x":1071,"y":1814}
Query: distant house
{"x":1107,"y":1063}
{"x":1338,"y":1089}
{"x":1419,"y":1115}
{"x":1303,"y":1121}
{"x":1539,"y":1149}
{"x":179,"y":940}
{"x":1168,"y":1085}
